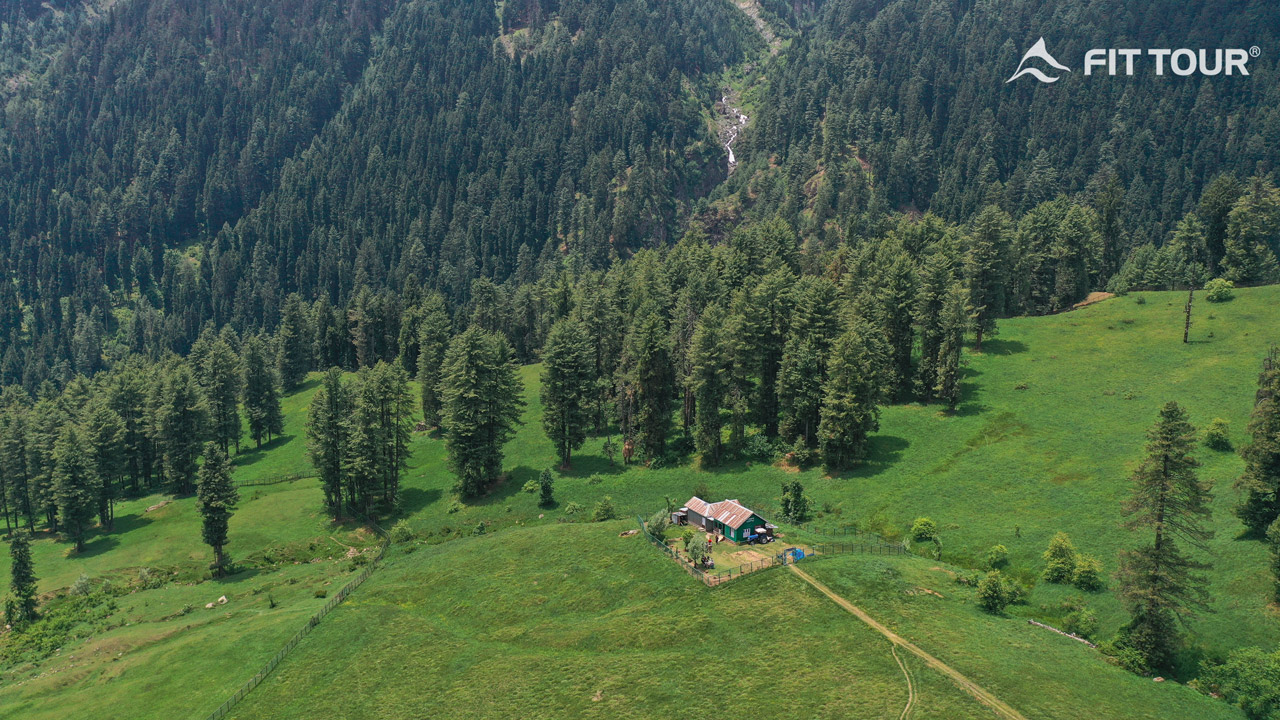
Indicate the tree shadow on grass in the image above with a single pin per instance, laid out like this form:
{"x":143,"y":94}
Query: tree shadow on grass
{"x":240,"y":575}
{"x":128,"y":523}
{"x":307,"y":385}
{"x":1003,"y":347}
{"x":507,"y":487}
{"x":251,"y":455}
{"x":882,"y":452}
{"x":414,"y":499}
{"x":97,"y":546}
{"x":588,"y":465}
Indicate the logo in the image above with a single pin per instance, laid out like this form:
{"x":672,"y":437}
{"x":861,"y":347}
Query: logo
{"x":1122,"y":61}
{"x":1038,"y":51}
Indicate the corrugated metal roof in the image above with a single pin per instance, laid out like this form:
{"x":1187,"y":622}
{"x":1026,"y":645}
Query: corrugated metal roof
{"x":731,"y":513}
{"x":700,"y":506}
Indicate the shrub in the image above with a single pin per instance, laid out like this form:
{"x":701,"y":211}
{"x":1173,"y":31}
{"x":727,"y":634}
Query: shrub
{"x":1081,"y":621}
{"x":531,"y":487}
{"x":1139,"y":300}
{"x":479,"y":529}
{"x":546,"y":485}
{"x":321,"y":593}
{"x":802,"y":455}
{"x":758,"y":448}
{"x":924,"y":530}
{"x":401,"y":532}
{"x":1219,"y":290}
{"x":595,"y":479}
{"x":1060,"y":560}
{"x":572,"y":508}
{"x":795,"y":504}
{"x":150,"y":579}
{"x":993,"y":593}
{"x":658,"y":523}
{"x":997,"y":557}
{"x":1088,"y":573}
{"x":1217,"y":436}
{"x":1247,"y":679}
{"x":82,"y":585}
{"x":604,"y":510}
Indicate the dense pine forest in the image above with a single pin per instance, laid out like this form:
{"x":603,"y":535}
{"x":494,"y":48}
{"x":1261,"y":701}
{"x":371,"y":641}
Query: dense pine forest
{"x":204,"y":201}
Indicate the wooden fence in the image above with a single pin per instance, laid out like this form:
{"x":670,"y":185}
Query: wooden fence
{"x":312,"y":622}
{"x":273,"y":480}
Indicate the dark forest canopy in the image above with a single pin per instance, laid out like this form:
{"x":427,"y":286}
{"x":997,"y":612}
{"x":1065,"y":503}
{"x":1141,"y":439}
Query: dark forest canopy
{"x":182,"y":165}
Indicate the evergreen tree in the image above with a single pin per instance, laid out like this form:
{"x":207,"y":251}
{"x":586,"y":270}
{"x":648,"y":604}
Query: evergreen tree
{"x":222,"y":382}
{"x":75,"y":485}
{"x":182,"y":421}
{"x":767,"y":313}
{"x":294,"y":339}
{"x":216,"y":499}
{"x":645,"y":385}
{"x":896,"y":302}
{"x":433,"y":340}
{"x":1253,"y":236}
{"x":546,"y":488}
{"x":956,"y":320}
{"x":800,"y":390}
{"x":708,"y":382}
{"x":936,"y":280}
{"x":328,"y":436}
{"x":480,"y":407}
{"x":985,"y":269}
{"x":13,"y":463}
{"x":852,"y":396}
{"x":1158,"y":583}
{"x":104,"y":437}
{"x":1071,"y":247}
{"x":568,"y":387}
{"x":261,"y":393}
{"x":22,"y":581}
{"x":1260,"y":483}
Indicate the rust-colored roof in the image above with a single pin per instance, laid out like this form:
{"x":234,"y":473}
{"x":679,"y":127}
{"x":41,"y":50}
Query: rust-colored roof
{"x":731,"y":513}
{"x":700,"y":506}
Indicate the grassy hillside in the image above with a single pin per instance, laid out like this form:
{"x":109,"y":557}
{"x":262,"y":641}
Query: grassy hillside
{"x":612,"y":616}
{"x":573,"y":621}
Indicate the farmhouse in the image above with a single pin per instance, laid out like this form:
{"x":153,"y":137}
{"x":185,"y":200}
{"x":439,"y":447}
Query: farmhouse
{"x":727,"y":518}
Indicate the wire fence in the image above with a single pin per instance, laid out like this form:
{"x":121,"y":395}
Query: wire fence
{"x":274,"y":480}
{"x":876,"y":546}
{"x":312,"y":622}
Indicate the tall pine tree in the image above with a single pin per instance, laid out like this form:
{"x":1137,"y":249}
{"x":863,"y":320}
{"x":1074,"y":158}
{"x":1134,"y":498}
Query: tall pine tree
{"x":216,"y":498}
{"x":75,"y":485}
{"x":328,"y":436}
{"x":261,"y":393}
{"x":568,"y":387}
{"x":480,"y":407}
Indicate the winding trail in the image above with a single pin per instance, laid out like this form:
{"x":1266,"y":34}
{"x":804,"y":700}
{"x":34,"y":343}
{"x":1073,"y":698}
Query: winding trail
{"x":1000,"y":707}
{"x":911,"y":688}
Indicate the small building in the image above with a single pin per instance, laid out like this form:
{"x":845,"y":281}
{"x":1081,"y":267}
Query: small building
{"x":727,"y":518}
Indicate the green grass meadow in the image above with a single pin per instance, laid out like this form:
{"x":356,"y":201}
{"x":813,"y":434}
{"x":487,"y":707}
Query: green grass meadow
{"x":546,"y":618}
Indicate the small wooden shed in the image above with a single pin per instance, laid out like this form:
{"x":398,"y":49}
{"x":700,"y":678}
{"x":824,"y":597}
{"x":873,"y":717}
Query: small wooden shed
{"x":728,"y":518}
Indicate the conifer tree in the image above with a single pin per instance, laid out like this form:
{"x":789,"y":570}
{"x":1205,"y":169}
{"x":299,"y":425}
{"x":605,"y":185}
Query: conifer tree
{"x":1253,"y":236}
{"x":294,"y":339}
{"x":216,"y":498}
{"x":75,"y":485}
{"x":708,"y":381}
{"x":896,"y":302}
{"x":800,"y":390}
{"x":182,"y":422}
{"x":956,"y":320}
{"x":767,"y":314}
{"x":261,"y":393}
{"x":480,"y":407}
{"x":433,"y":340}
{"x":985,"y":269}
{"x":13,"y":463}
{"x":1158,"y":583}
{"x":104,"y":437}
{"x":22,"y":582}
{"x":852,"y":396}
{"x":1260,"y":483}
{"x":936,"y":280}
{"x":645,"y":386}
{"x":221,"y":379}
{"x":328,"y":436}
{"x":568,"y":387}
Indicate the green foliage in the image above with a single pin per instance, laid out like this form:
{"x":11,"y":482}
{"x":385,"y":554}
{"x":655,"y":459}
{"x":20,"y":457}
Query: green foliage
{"x":603,"y":510}
{"x":261,"y":393}
{"x":997,"y":557}
{"x":708,"y":382}
{"x":433,"y":340}
{"x":480,"y":396}
{"x":1081,"y":621}
{"x":924,"y":529}
{"x":183,"y":420}
{"x":1217,"y":435}
{"x":995,"y":592}
{"x":1158,"y":583}
{"x":380,"y":430}
{"x":76,"y":485}
{"x":22,"y":583}
{"x":402,"y":532}
{"x":568,"y":385}
{"x":530,"y":486}
{"x":645,"y":381}
{"x":1260,"y":482}
{"x":1088,"y":574}
{"x":546,"y":488}
{"x":295,"y":343}
{"x":1249,"y":679}
{"x":572,"y":508}
{"x":216,"y":498}
{"x":795,"y":504}
{"x":852,"y":396}
{"x":658,"y":523}
{"x":1060,"y":560}
{"x":328,"y":436}
{"x":1219,"y":290}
